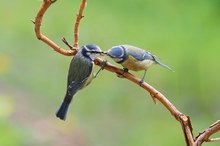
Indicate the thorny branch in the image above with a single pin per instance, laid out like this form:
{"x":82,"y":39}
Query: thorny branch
{"x":156,"y":95}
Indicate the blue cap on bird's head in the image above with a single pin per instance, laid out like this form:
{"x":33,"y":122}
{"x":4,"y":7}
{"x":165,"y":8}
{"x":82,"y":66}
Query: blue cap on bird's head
{"x":92,"y":48}
{"x":117,"y":53}
{"x":91,"y":51}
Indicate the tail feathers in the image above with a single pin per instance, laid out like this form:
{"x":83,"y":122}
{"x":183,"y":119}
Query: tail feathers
{"x":61,"y":113}
{"x":163,"y":65}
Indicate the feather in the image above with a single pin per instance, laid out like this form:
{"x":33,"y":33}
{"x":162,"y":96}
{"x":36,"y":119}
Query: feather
{"x":163,"y":65}
{"x":61,"y":113}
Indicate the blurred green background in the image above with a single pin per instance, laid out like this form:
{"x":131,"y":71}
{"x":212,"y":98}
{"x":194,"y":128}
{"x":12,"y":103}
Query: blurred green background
{"x":185,"y":35}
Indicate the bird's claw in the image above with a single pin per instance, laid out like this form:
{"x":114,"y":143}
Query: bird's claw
{"x":104,"y":63}
{"x":141,"y":82}
{"x":125,"y":70}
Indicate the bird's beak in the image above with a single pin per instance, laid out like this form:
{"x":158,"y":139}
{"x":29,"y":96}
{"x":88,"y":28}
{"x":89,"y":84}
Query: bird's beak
{"x":103,"y":53}
{"x":98,"y":52}
{"x":108,"y":54}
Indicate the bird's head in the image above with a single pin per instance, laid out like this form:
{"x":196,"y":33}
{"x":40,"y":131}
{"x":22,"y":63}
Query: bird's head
{"x":117,"y":53}
{"x":91,"y":51}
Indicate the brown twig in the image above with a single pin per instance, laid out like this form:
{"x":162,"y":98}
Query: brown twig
{"x":67,"y":43}
{"x":38,"y":20}
{"x":78,"y":18}
{"x":183,"y":119}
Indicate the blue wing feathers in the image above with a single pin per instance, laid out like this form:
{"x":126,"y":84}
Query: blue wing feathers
{"x":137,"y":53}
{"x":140,"y":56}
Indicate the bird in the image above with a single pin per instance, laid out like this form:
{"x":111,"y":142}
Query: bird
{"x":133,"y":58}
{"x":80,"y":75}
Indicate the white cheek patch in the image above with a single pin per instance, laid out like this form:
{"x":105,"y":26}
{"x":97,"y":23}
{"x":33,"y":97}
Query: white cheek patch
{"x":88,"y":53}
{"x":93,"y":56}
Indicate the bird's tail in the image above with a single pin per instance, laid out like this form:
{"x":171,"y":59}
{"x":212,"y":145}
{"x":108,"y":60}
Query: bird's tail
{"x":163,"y":65}
{"x":61,"y":113}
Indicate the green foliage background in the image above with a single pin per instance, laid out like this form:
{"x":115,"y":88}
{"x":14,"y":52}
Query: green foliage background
{"x":184,"y":34}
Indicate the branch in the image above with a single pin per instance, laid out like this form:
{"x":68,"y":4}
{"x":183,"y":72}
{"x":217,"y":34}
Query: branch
{"x":38,"y":20}
{"x":156,"y":95}
{"x":183,"y":119}
{"x":78,"y":18}
{"x":205,"y":135}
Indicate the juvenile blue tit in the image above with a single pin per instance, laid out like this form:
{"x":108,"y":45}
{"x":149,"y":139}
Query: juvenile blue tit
{"x":79,"y":76}
{"x":133,"y":58}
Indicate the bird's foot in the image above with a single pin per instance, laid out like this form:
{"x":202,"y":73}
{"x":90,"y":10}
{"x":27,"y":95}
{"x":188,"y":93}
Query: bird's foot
{"x":141,"y":82}
{"x":101,"y":68}
{"x":125,"y":70}
{"x":104,"y":63}
{"x":142,"y":79}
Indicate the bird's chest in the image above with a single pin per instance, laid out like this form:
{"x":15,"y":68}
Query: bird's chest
{"x":136,"y":65}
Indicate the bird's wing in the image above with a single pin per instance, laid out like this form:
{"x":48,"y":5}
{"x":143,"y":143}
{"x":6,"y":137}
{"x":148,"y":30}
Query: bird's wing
{"x":74,"y":86}
{"x":79,"y":72}
{"x":137,"y":53}
{"x":141,"y":57}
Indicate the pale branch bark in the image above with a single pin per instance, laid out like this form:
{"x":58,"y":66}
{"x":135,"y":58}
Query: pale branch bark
{"x":156,"y":95}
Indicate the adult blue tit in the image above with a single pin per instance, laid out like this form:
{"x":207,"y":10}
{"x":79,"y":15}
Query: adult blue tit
{"x":79,"y":76}
{"x":133,"y":58}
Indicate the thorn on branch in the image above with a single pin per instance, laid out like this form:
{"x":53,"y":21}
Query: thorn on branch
{"x":53,"y":1}
{"x":80,"y":16}
{"x":33,"y":21}
{"x":50,"y":1}
{"x":154,"y":98}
